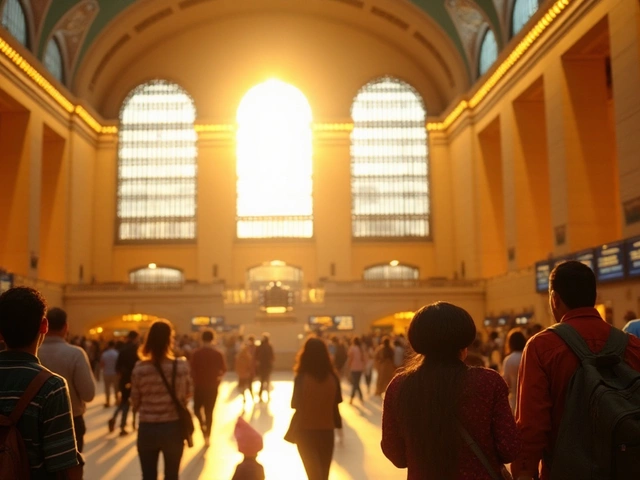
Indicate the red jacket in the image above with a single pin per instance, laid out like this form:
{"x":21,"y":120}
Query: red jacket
{"x":485,"y":414}
{"x":545,"y":370}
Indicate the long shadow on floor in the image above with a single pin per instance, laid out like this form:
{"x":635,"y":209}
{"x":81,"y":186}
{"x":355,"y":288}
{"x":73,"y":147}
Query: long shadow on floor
{"x":350,"y":454}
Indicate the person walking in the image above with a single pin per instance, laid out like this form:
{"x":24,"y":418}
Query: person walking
{"x":316,"y":395}
{"x":127,"y":359}
{"x":72,"y":363}
{"x":245,"y":370}
{"x":355,"y":365}
{"x":546,"y":370}
{"x":384,"y":365}
{"x":436,"y":406}
{"x":515,"y":345}
{"x":108,"y":361}
{"x":46,"y":424}
{"x":264,"y":365}
{"x":160,"y":429}
{"x":207,"y":369}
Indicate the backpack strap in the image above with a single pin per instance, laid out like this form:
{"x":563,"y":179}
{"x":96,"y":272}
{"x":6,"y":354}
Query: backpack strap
{"x":572,"y":338}
{"x":31,"y":391}
{"x":616,"y":343}
{"x":475,"y":448}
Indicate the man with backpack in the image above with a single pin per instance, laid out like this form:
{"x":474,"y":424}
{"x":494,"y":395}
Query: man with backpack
{"x":36,"y":427}
{"x":578,"y":390}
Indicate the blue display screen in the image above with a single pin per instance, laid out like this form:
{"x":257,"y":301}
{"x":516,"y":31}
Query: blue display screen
{"x":6,"y":281}
{"x":588,"y":257}
{"x":632,"y":254}
{"x":610,"y":262}
{"x":543,"y":269}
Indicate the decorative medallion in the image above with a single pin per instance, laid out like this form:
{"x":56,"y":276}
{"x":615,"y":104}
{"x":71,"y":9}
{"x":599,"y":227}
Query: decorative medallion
{"x":73,"y":27}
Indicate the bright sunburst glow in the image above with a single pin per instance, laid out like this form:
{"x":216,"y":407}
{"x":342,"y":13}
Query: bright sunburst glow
{"x":274,"y":163}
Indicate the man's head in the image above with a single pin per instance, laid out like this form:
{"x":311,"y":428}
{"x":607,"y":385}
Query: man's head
{"x":132,"y":336}
{"x":22,"y":317}
{"x":630,"y":315}
{"x":571,"y":285}
{"x":57,"y":322}
{"x":208,"y":336}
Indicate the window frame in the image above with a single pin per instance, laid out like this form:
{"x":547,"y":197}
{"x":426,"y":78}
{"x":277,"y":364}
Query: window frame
{"x":63,"y":71}
{"x":394,"y":239}
{"x":484,"y":33}
{"x":117,"y":221}
{"x":511,"y":17}
{"x":28,"y":25}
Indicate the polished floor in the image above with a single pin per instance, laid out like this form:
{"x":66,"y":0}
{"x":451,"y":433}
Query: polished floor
{"x":111,"y":457}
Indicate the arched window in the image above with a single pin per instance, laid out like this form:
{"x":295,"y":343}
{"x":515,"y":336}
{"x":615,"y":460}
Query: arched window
{"x":157,"y":164}
{"x":391,"y":271}
{"x":15,"y":21}
{"x":53,"y":60}
{"x":274,"y":163}
{"x":389,"y":163}
{"x":488,"y":52}
{"x":274,"y":271}
{"x":523,"y":10}
{"x":156,"y":275}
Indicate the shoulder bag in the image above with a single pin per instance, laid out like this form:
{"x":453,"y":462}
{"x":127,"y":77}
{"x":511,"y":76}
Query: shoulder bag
{"x":184,"y":416}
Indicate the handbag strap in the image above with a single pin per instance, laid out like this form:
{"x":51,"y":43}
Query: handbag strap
{"x":166,"y":384}
{"x":478,"y":452}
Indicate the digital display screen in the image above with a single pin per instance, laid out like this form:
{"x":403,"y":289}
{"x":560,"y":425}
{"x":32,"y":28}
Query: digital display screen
{"x":588,"y":257}
{"x":610,"y":262}
{"x":633,"y":256}
{"x":202,"y":322}
{"x":6,"y":282}
{"x":543,"y":269}
{"x":341,"y":323}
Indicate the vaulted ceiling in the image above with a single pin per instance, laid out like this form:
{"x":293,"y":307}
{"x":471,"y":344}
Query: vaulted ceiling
{"x":85,"y":20}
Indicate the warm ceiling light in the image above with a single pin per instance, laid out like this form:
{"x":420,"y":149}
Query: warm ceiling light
{"x":394,"y":263}
{"x":153,"y":266}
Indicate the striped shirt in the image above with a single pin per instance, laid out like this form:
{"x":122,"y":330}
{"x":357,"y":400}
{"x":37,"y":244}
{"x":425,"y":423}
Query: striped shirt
{"x":46,"y":425}
{"x":149,"y":395}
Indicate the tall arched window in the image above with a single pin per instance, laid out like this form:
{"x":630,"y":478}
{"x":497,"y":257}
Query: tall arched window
{"x":523,"y":10}
{"x":274,"y":163}
{"x":389,"y":162}
{"x":157,"y":164}
{"x":15,"y":21}
{"x":53,"y":60}
{"x":488,"y":52}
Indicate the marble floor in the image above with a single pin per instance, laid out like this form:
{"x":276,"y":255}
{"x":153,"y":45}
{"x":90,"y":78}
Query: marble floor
{"x":111,"y":457}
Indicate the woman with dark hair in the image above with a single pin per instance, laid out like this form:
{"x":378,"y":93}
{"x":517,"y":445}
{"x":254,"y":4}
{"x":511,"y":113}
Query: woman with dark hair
{"x":316,"y":395}
{"x":159,"y":429}
{"x":385,"y":365}
{"x":516,"y":341}
{"x":436,"y":399}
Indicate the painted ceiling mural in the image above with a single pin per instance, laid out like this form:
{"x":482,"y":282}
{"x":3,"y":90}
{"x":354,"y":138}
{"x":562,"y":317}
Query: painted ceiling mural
{"x":78,"y":23}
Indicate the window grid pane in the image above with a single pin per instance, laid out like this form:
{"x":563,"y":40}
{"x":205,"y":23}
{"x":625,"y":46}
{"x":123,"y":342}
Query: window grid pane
{"x":391,"y":272}
{"x":53,"y":60}
{"x":488,"y":52}
{"x":523,"y":10}
{"x":389,"y":162}
{"x":161,"y":275}
{"x":274,"y":163}
{"x":157,"y":164}
{"x":14,"y":20}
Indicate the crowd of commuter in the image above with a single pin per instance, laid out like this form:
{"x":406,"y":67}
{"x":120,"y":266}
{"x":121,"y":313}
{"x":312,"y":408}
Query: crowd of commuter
{"x":454,"y":406}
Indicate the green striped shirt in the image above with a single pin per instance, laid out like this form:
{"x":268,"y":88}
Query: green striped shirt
{"x":46,"y":425}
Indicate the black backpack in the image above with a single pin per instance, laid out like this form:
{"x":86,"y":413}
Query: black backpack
{"x":599,"y":436}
